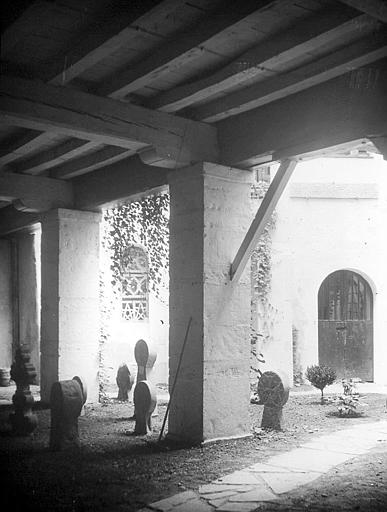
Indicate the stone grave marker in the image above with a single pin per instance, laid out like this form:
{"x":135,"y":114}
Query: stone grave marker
{"x":145,"y":401}
{"x":23,"y":420}
{"x":273,"y":392}
{"x":124,"y":381}
{"x":66,"y":401}
{"x":145,"y":358}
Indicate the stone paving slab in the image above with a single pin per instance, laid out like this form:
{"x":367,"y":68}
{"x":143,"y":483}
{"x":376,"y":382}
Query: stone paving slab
{"x":280,"y":482}
{"x":309,"y":460}
{"x":244,"y":490}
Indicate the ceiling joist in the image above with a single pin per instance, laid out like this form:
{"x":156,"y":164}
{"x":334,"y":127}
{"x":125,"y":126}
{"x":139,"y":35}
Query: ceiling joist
{"x":337,"y":63}
{"x":266,"y":60}
{"x":181,"y":50}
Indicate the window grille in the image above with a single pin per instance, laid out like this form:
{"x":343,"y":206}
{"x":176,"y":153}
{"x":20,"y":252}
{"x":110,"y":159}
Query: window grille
{"x":134,"y":284}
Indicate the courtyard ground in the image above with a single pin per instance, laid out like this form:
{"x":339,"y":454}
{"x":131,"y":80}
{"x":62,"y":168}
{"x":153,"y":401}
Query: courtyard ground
{"x":115,"y":472}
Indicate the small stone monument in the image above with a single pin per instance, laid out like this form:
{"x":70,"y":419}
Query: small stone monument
{"x":145,"y":358}
{"x":124,"y":381}
{"x":273,"y":392}
{"x":66,"y":401}
{"x":145,"y":400}
{"x":23,"y":421}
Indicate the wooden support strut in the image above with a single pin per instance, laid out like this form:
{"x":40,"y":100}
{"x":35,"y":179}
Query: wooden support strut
{"x":261,"y":218}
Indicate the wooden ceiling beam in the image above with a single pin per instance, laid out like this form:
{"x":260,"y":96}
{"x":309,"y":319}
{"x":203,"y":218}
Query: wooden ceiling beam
{"x":90,"y":162}
{"x":54,"y":156}
{"x":375,"y":8}
{"x":267,"y":57}
{"x":12,"y":220}
{"x":35,"y":193}
{"x":22,"y":145}
{"x":335,"y":64}
{"x":115,"y":183}
{"x":181,"y":50}
{"x":60,"y":110}
{"x":346,"y":108}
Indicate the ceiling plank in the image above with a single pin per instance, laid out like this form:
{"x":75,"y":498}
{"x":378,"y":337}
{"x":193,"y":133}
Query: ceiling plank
{"x":54,"y":156}
{"x":180,"y":50}
{"x":35,"y":105}
{"x":375,"y":8}
{"x":106,"y":38}
{"x":346,"y":108}
{"x":306,"y":36}
{"x":35,"y":194}
{"x":90,"y":162}
{"x":115,"y":183}
{"x":335,"y":64}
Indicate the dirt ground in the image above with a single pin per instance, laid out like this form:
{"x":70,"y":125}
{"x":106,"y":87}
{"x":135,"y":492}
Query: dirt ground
{"x":115,"y":472}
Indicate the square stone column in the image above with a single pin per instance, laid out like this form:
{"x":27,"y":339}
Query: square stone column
{"x":70,"y":299}
{"x":210,"y":214}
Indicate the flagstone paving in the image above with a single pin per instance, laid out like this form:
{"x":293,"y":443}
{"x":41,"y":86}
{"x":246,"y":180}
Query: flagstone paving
{"x":244,"y":490}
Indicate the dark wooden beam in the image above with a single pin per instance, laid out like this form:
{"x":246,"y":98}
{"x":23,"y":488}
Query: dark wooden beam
{"x":35,"y":194}
{"x":375,"y":8}
{"x":335,"y":64}
{"x":35,"y":105}
{"x":12,"y":220}
{"x":181,"y":50}
{"x":22,"y":145}
{"x":90,"y":162}
{"x":267,"y":58}
{"x":346,"y":108}
{"x":116,"y":183}
{"x":53,"y":156}
{"x":262,"y":217}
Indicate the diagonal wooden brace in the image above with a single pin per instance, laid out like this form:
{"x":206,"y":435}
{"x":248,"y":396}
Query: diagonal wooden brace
{"x":261,"y":218}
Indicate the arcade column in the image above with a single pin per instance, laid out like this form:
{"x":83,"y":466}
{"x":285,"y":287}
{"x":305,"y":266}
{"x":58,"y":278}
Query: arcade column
{"x":69,"y":297}
{"x":210,"y":214}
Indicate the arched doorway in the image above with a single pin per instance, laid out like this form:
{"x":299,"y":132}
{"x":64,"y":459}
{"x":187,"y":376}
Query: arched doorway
{"x":345,"y":325}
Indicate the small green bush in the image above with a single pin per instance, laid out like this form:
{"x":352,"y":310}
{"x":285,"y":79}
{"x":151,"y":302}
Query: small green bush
{"x":320,"y":376}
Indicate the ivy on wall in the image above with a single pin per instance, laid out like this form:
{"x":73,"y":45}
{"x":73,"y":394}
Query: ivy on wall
{"x":144,"y":222}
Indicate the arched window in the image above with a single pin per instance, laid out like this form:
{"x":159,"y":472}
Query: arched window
{"x":134,"y":284}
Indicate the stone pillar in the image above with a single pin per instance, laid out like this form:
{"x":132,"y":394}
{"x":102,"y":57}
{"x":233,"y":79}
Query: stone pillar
{"x":28,"y":283}
{"x":6,"y":322}
{"x":210,"y":214}
{"x":70,"y":299}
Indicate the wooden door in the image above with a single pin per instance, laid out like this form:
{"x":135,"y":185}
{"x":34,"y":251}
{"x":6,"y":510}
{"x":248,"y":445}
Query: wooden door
{"x":345,"y":325}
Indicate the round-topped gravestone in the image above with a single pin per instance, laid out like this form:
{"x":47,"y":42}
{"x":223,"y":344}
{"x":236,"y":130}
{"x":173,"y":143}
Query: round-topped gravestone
{"x":145,"y":400}
{"x":145,"y":358}
{"x":273,"y":392}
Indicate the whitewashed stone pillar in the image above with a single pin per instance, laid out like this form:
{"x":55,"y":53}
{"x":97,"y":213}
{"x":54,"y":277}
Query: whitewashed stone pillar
{"x":210,"y":214}
{"x":28,"y":291}
{"x":6,"y":321}
{"x":70,"y":299}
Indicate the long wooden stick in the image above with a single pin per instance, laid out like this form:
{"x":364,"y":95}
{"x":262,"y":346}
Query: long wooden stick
{"x":175,"y":379}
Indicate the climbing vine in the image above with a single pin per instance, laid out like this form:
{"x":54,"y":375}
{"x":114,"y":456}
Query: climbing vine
{"x":261,"y":256}
{"x":144,"y":222}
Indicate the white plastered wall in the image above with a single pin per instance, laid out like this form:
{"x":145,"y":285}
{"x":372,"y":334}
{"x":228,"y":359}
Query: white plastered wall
{"x":321,"y":227}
